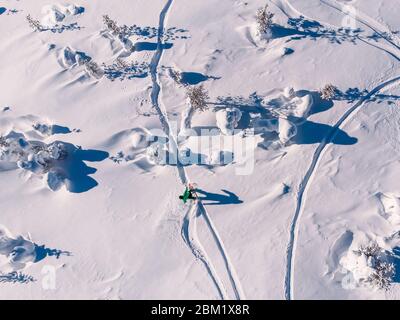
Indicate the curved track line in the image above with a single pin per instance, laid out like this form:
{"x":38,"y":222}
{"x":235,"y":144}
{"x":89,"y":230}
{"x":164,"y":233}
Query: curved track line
{"x":237,"y":288}
{"x":189,"y":235}
{"x":303,"y":187}
{"x":190,"y":239}
{"x":155,"y":92}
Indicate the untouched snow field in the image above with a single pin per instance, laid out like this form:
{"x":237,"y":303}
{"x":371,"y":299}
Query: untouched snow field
{"x":88,"y":208}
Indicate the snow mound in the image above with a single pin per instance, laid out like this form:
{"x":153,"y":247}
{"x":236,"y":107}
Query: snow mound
{"x":33,"y":156}
{"x":55,"y":14}
{"x":129,"y":145}
{"x":157,"y":153}
{"x":121,"y":45}
{"x":281,"y":126}
{"x":291,"y":103}
{"x":69,"y":57}
{"x":16,"y":253}
{"x":228,"y":119}
{"x":54,"y":180}
{"x":367,"y":264}
{"x":287,"y":130}
{"x":286,"y":110}
{"x":390,"y":207}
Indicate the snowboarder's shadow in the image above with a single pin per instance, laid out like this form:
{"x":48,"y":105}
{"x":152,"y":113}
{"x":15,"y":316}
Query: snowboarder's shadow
{"x":218,"y":199}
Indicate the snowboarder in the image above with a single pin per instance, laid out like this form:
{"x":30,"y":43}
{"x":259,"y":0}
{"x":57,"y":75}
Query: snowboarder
{"x":189,"y":193}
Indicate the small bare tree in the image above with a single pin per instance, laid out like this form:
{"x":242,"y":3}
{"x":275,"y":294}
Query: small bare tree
{"x":383,"y":272}
{"x":370,"y":250}
{"x":328,"y":92}
{"x":114,"y":28}
{"x":111,"y":25}
{"x":198,"y":97}
{"x":34,"y":24}
{"x":176,"y":75}
{"x":264,"y":20}
{"x":3,"y":142}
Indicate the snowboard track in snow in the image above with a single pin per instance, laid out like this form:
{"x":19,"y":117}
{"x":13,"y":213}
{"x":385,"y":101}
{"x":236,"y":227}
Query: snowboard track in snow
{"x":189,"y":230}
{"x":305,"y":183}
{"x":189,"y":235}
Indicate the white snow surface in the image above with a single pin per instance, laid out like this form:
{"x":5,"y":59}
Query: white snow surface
{"x":106,"y":215}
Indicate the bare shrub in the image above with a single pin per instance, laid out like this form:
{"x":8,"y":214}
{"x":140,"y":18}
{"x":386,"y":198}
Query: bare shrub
{"x":383,"y":271}
{"x":370,"y":250}
{"x":16,"y":277}
{"x":111,"y":25}
{"x":328,"y":92}
{"x":114,"y":28}
{"x":122,"y":70}
{"x":264,"y":19}
{"x":118,"y":158}
{"x":3,"y":142}
{"x":34,"y":24}
{"x":382,"y":276}
{"x":176,"y":75}
{"x":198,"y":97}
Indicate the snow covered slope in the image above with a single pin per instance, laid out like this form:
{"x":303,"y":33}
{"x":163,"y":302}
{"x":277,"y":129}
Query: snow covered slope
{"x":90,"y":210}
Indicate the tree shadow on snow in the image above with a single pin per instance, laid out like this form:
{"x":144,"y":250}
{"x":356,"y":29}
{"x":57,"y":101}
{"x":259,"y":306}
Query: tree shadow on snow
{"x":150,"y":46}
{"x":153,"y":32}
{"x":16,"y":277}
{"x":75,"y":169}
{"x":42,"y":252}
{"x":213,"y":199}
{"x":61,"y":28}
{"x":301,"y":28}
{"x":352,"y":95}
{"x":194,"y":78}
{"x":131,"y":71}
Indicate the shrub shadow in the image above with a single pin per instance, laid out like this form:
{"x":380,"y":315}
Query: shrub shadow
{"x":302,"y":28}
{"x":194,"y":78}
{"x":150,"y":46}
